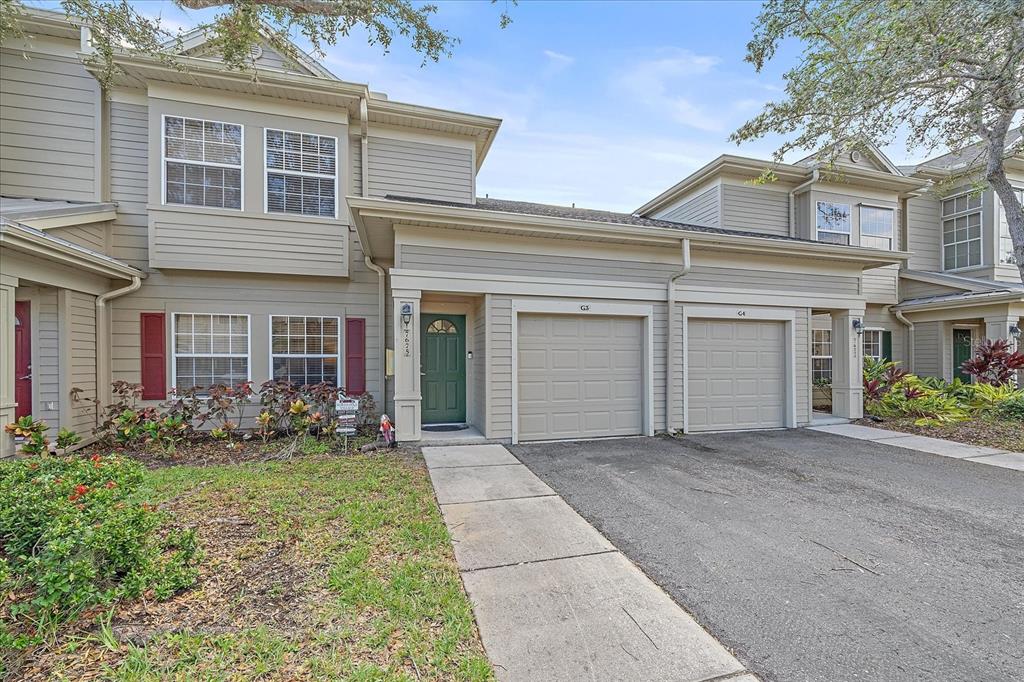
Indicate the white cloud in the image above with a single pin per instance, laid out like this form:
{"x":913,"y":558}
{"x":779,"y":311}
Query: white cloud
{"x":557,"y":62}
{"x":654,"y":83}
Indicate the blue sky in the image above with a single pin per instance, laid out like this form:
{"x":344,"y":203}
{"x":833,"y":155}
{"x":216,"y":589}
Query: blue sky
{"x":604,"y":104}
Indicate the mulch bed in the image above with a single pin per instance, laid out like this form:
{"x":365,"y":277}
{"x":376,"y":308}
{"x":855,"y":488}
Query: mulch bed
{"x":993,"y":433}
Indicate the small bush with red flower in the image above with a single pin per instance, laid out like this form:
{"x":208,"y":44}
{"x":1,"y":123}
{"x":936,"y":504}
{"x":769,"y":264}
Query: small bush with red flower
{"x":75,"y":534}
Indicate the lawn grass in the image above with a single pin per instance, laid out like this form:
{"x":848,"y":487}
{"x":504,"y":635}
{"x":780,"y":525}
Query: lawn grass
{"x":318,"y":568}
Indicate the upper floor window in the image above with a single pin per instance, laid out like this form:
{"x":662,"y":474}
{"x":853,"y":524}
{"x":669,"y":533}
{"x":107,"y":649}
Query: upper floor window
{"x":1005,"y":241}
{"x":961,"y":231}
{"x":876,"y":226}
{"x":302,"y":173}
{"x":202,"y":163}
{"x":833,"y":222}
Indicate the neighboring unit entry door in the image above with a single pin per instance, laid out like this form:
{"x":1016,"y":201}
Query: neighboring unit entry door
{"x":443,"y":372}
{"x":22,"y":358}
{"x":962,"y":352}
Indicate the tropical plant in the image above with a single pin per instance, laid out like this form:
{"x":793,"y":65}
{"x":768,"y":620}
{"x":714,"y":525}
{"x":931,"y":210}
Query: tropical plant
{"x":986,"y":399}
{"x":276,"y":396}
{"x":1012,"y":409}
{"x":184,"y":404}
{"x":66,"y":438}
{"x":995,"y":362}
{"x":224,"y":407}
{"x":33,"y":434}
{"x":166,"y":432}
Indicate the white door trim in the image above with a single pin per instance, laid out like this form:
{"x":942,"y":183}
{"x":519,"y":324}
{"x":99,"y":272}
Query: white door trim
{"x":786,"y":315}
{"x":596,"y":308}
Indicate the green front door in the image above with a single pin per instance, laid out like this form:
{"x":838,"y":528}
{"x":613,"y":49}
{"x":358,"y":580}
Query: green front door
{"x":444,"y":368}
{"x":962,"y":352}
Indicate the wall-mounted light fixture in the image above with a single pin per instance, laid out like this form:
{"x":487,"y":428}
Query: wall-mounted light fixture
{"x":1014,"y":331}
{"x":858,"y":327}
{"x":406,"y":313}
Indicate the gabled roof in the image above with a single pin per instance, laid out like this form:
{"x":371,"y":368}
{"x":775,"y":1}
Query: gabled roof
{"x":191,"y":43}
{"x":27,"y":239}
{"x":863,"y":146}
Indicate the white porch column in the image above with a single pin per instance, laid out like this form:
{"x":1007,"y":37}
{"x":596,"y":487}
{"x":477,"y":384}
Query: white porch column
{"x":847,"y":365}
{"x":7,"y":404}
{"x":407,"y":365}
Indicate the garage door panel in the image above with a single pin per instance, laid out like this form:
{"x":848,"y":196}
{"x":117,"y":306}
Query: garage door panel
{"x":735,"y":374}
{"x":591,"y":372}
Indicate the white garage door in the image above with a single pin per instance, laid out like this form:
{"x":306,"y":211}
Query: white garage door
{"x":736,"y":375}
{"x":579,"y":376}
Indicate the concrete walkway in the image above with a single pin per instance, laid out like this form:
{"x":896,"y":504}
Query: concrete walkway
{"x":936,"y":446}
{"x":554,"y":599}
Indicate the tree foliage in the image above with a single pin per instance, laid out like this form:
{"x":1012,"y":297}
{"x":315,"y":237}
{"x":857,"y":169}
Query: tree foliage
{"x":940,"y":73}
{"x":239,"y":25}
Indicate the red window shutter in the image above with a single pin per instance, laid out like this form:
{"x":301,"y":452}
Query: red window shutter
{"x":355,"y":356}
{"x":154,"y":356}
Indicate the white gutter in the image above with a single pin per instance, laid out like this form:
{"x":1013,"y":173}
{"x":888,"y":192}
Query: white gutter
{"x":381,"y":283}
{"x":910,"y":335}
{"x":671,"y":295}
{"x":792,"y":200}
{"x":103,"y":377}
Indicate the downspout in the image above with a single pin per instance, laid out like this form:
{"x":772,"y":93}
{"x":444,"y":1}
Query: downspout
{"x":672,"y":332}
{"x":910,"y":335}
{"x":364,"y":118}
{"x":792,"y":200}
{"x":103,"y":377}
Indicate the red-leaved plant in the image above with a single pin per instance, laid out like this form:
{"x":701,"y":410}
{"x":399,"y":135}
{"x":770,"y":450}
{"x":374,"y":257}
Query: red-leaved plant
{"x":994,"y":362}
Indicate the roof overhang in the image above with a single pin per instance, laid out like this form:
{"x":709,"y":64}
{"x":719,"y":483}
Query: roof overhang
{"x":63,"y":215}
{"x":952,"y":281}
{"x":728,"y":164}
{"x":972,"y":300}
{"x":24,"y":239}
{"x":376,"y":218}
{"x":138,"y":71}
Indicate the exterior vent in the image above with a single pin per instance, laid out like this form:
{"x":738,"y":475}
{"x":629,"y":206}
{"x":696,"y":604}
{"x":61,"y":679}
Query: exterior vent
{"x":256,"y":51}
{"x":855,"y":156}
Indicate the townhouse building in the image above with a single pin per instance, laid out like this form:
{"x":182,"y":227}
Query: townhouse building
{"x":191,"y":226}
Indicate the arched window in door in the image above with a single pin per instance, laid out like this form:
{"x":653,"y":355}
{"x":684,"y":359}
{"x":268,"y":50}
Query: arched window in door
{"x":442,"y":327}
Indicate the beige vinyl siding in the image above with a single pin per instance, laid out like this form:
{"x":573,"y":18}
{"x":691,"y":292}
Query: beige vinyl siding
{"x":499,"y":407}
{"x":703,"y":209}
{"x":928,"y":348}
{"x":439,"y":258}
{"x":880,"y":284}
{"x":79,"y":320}
{"x":91,"y":236}
{"x":129,"y":130}
{"x":479,"y":349}
{"x":199,"y":240}
{"x":259,"y":295}
{"x":421,"y":170}
{"x":875,"y":317}
{"x":910,"y":288}
{"x":802,"y":351}
{"x":48,"y":108}
{"x":705,"y":277}
{"x":755,"y":209}
{"x":924,"y":233}
{"x":355,"y":148}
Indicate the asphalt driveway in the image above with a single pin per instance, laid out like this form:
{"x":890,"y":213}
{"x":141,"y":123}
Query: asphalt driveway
{"x":813,"y":556}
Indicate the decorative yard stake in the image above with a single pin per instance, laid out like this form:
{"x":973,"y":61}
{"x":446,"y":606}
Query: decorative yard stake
{"x":387,"y":431}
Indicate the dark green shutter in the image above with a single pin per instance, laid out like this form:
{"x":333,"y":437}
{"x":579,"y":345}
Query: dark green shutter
{"x":887,"y":345}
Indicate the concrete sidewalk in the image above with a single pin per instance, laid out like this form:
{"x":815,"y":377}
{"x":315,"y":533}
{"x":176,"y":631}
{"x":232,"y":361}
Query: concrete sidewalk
{"x":554,"y":599}
{"x":935,"y":446}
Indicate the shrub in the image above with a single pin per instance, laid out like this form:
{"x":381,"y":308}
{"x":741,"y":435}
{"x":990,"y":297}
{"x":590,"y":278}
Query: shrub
{"x":985,"y":399}
{"x":74,"y":536}
{"x":994,"y":362}
{"x":1012,"y":409}
{"x":66,"y":438}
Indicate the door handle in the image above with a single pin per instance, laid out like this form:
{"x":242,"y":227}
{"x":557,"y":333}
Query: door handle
{"x":27,"y":376}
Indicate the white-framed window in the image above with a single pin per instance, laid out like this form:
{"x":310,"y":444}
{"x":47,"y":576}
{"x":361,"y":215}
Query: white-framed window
{"x":961,"y":231}
{"x":1006,"y":255}
{"x":877,"y":344}
{"x":210,"y":349}
{"x":821,"y":355}
{"x":202,"y":162}
{"x":833,"y":221}
{"x":305,"y":349}
{"x":876,"y":227}
{"x":302,"y":173}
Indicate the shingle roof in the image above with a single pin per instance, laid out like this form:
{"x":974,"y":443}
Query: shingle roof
{"x":968,"y":155}
{"x":980,"y":296}
{"x":587,"y":214}
{"x":21,"y":208}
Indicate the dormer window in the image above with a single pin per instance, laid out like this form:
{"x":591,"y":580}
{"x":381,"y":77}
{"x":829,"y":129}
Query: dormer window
{"x":961,"y":231}
{"x":833,"y":222}
{"x":876,"y":226}
{"x":202,"y":163}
